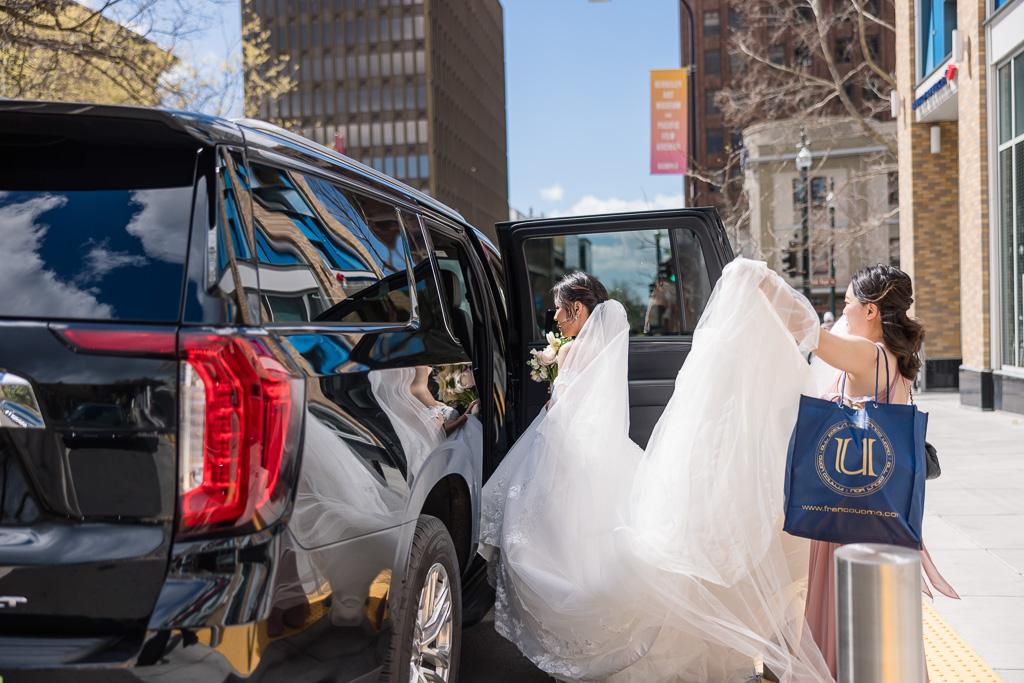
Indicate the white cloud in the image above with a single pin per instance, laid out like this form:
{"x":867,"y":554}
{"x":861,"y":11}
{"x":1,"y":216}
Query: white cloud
{"x":553,"y":193}
{"x":29,"y":287}
{"x":591,"y":205}
{"x":100,"y":261}
{"x":160,"y":223}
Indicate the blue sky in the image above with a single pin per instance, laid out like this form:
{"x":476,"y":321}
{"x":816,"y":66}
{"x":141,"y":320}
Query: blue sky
{"x":578,"y":99}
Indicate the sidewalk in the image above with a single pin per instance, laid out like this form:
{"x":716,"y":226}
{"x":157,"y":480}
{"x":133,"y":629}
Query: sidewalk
{"x":974,"y":527}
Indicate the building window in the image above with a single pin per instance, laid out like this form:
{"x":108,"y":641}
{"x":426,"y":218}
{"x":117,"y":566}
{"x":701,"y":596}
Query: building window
{"x":712,"y":23}
{"x":844,"y":48}
{"x":777,"y":54}
{"x":735,"y":143}
{"x":715,"y":142}
{"x":873,"y":46}
{"x":819,"y":190}
{"x":710,"y":106}
{"x":1010,"y":108}
{"x":894,"y":251}
{"x":737,"y":63}
{"x":736,"y":19}
{"x":803,"y":58}
{"x":937,"y":21}
{"x":894,"y":188}
{"x":712,"y":62}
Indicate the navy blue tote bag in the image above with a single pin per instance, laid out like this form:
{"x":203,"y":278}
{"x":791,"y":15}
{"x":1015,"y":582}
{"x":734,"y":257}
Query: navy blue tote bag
{"x":856,"y":474}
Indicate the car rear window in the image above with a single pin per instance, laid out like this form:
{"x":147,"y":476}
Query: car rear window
{"x":114,"y":254}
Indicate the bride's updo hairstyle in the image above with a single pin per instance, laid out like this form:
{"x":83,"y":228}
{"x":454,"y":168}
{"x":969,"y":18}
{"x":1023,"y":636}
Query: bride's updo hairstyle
{"x":582,"y":287}
{"x":891,"y":290}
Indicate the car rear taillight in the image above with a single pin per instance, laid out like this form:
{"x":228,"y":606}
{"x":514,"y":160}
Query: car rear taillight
{"x":117,"y":341}
{"x":239,"y":426}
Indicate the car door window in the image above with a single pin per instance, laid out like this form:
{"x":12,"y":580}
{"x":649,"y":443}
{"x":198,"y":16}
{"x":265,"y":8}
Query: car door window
{"x":649,"y":271}
{"x":327,"y":254}
{"x":462,"y":306}
{"x":693,"y":278}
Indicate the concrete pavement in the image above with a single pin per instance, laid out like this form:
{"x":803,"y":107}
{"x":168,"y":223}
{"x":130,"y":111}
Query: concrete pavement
{"x":974,"y":527}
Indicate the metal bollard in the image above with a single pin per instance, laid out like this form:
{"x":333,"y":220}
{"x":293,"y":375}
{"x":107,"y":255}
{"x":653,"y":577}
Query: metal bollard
{"x":880,"y":636}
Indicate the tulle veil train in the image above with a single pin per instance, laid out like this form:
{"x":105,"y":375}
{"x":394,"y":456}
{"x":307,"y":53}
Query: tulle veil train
{"x":671,"y":564}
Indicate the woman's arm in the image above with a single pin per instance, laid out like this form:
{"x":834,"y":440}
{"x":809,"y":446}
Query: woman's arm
{"x":854,"y":355}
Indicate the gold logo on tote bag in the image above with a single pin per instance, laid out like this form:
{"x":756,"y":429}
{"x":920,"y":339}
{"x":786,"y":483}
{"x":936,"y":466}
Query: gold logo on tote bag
{"x":854,"y":461}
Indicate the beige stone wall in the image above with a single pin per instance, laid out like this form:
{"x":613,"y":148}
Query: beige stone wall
{"x":861,"y":235}
{"x":974,"y":204}
{"x":929,"y":205}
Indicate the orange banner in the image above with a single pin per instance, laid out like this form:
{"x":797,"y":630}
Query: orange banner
{"x":669,"y":121}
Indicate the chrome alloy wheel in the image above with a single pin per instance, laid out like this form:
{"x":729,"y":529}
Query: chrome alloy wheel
{"x":432,"y":634}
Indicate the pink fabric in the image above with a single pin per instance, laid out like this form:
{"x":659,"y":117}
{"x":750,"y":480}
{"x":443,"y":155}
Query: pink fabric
{"x":820,"y":609}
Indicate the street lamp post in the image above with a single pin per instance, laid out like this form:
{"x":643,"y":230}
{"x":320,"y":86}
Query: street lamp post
{"x":832,"y":247}
{"x":803,"y":164}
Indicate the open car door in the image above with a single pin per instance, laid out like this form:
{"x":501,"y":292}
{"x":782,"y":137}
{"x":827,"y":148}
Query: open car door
{"x":661,"y":265}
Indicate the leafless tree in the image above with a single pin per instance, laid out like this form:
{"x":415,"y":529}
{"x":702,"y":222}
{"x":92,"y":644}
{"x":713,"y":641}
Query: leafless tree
{"x":832,"y":68}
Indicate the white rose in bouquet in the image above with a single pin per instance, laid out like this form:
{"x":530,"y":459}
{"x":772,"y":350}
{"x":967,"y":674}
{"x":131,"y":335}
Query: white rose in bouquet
{"x":464,"y":381}
{"x":543,"y":363}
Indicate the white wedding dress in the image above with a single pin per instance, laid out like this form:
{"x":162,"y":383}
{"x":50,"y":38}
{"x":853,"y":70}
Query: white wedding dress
{"x":556,"y":509}
{"x":670,"y":565}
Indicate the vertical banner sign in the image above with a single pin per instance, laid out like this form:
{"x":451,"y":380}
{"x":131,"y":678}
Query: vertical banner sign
{"x":669,"y":124}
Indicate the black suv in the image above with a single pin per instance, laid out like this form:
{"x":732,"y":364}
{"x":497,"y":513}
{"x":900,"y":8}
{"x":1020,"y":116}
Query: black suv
{"x":250,"y":389}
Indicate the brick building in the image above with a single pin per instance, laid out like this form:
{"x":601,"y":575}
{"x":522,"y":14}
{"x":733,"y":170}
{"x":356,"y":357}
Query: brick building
{"x":414,"y":88}
{"x":960,"y":69}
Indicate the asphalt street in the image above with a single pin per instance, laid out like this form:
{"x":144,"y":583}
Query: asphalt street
{"x":489,"y":658}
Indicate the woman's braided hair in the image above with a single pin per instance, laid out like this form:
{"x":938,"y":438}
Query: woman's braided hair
{"x":891,"y":290}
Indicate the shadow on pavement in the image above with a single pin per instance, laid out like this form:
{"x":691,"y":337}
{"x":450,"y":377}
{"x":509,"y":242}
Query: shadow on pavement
{"x":489,"y":658}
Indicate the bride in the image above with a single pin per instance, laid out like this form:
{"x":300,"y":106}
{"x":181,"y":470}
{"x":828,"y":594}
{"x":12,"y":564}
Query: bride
{"x":566,"y":585}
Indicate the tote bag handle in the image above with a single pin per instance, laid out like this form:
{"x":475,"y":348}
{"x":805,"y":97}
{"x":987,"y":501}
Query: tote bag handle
{"x":878,"y":351}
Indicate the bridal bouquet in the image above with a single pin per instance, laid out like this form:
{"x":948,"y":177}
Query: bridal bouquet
{"x":543,"y":367}
{"x":456,"y":384}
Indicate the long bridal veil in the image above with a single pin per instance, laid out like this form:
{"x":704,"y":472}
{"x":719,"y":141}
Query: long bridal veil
{"x":707,"y":501}
{"x":568,"y":588}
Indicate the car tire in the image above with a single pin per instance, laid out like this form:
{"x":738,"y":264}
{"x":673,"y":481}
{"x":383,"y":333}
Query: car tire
{"x":427,"y":635}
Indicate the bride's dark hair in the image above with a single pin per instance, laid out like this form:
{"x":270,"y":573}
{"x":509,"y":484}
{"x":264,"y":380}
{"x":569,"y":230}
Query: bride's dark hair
{"x":582,"y":287}
{"x":891,"y":290}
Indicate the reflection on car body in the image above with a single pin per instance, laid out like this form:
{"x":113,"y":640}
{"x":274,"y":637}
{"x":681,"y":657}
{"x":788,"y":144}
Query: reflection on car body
{"x":270,"y":384}
{"x":20,"y":415}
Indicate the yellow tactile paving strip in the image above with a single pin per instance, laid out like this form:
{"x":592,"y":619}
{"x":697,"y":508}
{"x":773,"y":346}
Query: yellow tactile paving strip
{"x":950,"y":659}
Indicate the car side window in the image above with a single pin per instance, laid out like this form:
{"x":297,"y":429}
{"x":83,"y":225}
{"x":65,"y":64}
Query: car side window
{"x":498,"y":271}
{"x":327,"y":254}
{"x":693,"y":278}
{"x":457,"y":291}
{"x":648,"y":271}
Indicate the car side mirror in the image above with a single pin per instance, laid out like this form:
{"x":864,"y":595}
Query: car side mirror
{"x":549,"y":320}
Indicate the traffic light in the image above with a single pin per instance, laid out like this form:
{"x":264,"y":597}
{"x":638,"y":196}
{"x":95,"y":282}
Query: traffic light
{"x":789,"y":261}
